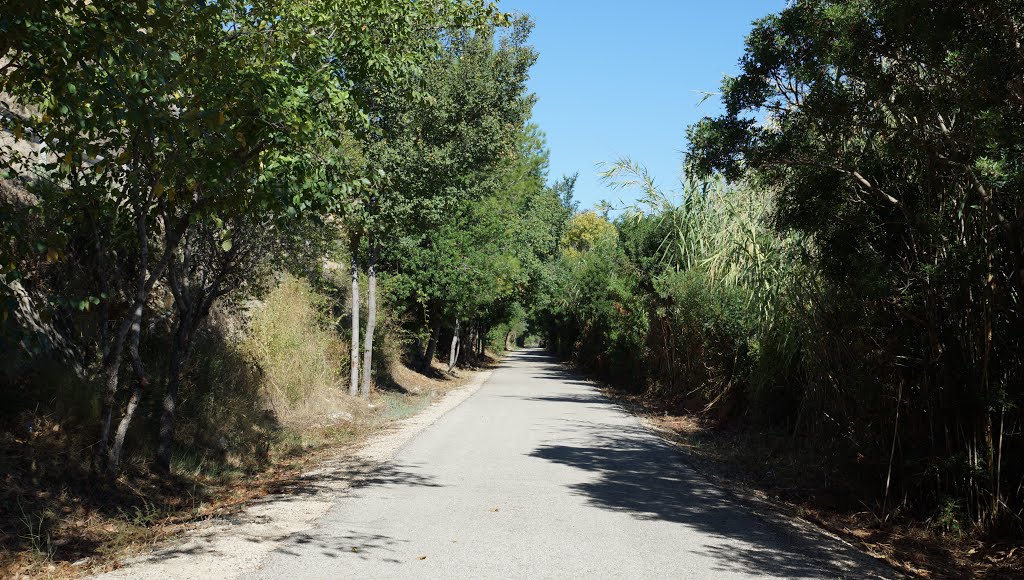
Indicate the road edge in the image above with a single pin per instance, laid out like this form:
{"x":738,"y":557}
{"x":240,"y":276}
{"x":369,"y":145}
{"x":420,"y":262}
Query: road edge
{"x":237,"y":545}
{"x":776,"y":515}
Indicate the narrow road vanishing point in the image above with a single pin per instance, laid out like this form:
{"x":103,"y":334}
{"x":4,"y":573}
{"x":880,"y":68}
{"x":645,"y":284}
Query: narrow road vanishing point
{"x":539,"y":476}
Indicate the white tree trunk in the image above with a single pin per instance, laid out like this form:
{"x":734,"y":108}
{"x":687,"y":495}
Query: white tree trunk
{"x":353,"y":387}
{"x":371,"y":320}
{"x":453,"y":353}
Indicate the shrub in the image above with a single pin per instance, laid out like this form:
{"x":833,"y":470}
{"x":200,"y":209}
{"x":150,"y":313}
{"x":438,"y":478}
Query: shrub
{"x":291,"y":339}
{"x":697,"y":339}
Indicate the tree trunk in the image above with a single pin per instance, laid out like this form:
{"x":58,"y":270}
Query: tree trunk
{"x":353,"y":387}
{"x":431,"y":346}
{"x":135,"y":335}
{"x":116,"y":449}
{"x":145,"y":281}
{"x":179,"y":356}
{"x":453,"y":352}
{"x":192,"y":302}
{"x":112,"y":372}
{"x":371,"y":318}
{"x":470,"y":350}
{"x":115,"y":454}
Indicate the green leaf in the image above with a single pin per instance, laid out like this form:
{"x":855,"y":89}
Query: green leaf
{"x":225,"y":245}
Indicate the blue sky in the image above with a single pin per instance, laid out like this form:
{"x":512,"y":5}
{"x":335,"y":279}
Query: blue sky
{"x":620,"y":78}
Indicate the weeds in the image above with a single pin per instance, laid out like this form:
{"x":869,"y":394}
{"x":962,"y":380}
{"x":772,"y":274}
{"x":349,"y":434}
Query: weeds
{"x":143,"y":515}
{"x":37,"y":534}
{"x":291,"y":339}
{"x":396,"y":406}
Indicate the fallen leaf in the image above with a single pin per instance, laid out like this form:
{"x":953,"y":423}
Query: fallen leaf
{"x":422,"y":557}
{"x":494,"y":509}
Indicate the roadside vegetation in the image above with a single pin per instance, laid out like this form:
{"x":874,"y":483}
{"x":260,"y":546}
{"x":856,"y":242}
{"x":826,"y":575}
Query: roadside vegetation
{"x":235,"y":234}
{"x":836,"y":284}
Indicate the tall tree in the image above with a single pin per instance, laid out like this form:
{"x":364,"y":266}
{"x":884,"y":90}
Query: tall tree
{"x":160,"y":118}
{"x":891,"y":129}
{"x":432,"y":153}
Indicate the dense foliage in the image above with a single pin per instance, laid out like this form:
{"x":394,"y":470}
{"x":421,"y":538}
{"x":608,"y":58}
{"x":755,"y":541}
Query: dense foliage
{"x":201,"y":202}
{"x":164,"y":163}
{"x":859,"y":281}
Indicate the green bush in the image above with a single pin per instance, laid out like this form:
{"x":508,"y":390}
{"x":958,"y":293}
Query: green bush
{"x":599,"y":320}
{"x":697,"y":343}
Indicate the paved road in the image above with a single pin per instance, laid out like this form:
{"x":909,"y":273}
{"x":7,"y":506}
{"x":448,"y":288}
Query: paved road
{"x":538,"y":476}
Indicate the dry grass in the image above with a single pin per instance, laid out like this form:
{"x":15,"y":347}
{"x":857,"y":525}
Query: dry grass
{"x":291,"y":339}
{"x":57,"y":519}
{"x":72,"y":525}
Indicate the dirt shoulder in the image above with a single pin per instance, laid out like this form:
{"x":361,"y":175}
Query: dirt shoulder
{"x":204,"y":526}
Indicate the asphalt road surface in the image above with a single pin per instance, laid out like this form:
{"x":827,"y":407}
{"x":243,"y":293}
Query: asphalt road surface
{"x":539,"y":476}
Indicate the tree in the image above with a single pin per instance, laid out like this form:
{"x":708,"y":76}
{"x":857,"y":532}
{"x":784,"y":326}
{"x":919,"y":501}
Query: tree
{"x":892,"y":132}
{"x":200,"y":121}
{"x":586,"y":231}
{"x":106,"y":118}
{"x":434,"y":155}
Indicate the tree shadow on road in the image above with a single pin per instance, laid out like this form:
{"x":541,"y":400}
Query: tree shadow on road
{"x":349,"y":544}
{"x":639,"y":474}
{"x":335,"y":477}
{"x":570,"y":398}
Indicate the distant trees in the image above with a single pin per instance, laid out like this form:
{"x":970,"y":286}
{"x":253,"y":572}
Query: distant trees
{"x":468,"y":218}
{"x":474,"y":272}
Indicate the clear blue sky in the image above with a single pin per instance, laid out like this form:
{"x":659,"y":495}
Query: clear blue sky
{"x":618,"y":78}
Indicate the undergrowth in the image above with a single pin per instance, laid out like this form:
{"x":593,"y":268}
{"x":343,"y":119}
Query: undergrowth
{"x":266,"y":394}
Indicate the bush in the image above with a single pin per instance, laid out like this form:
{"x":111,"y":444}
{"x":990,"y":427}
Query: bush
{"x":224,"y":416}
{"x":292,"y":340}
{"x":697,"y":342}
